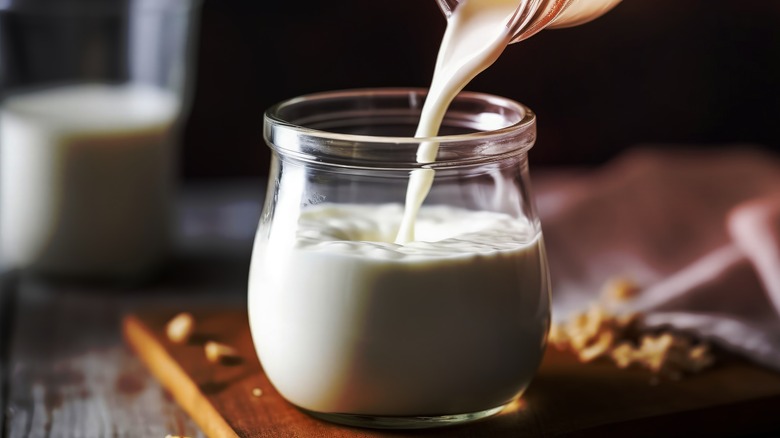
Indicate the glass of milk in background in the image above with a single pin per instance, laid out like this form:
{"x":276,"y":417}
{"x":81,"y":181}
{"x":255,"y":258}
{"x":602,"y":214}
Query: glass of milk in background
{"x":93,"y":96}
{"x":354,"y":328}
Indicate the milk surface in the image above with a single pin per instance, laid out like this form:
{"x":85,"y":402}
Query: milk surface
{"x":85,"y":178}
{"x":345,"y":320}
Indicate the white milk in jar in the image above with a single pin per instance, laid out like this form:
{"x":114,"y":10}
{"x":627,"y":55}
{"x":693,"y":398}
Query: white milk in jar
{"x":451,"y":323}
{"x":85,"y":179}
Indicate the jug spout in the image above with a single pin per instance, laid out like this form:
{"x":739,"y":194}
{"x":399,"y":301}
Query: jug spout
{"x":532,"y":16}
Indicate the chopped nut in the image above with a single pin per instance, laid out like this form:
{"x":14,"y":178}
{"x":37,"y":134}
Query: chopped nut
{"x":656,"y":351}
{"x":217,"y":352}
{"x":558,"y":336}
{"x":584,"y":328}
{"x":600,"y":333}
{"x":624,"y":355}
{"x":699,"y":357}
{"x":257,"y":392}
{"x":619,"y":289}
{"x":598,"y":348}
{"x":180,"y":328}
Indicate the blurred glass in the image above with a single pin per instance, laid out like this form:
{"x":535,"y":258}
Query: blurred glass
{"x":93,"y":95}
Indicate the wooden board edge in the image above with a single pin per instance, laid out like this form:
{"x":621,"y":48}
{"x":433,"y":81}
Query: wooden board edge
{"x":174,"y":379}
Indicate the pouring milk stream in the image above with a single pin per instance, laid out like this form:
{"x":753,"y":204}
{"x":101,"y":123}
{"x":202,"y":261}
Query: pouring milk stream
{"x":477,"y":33}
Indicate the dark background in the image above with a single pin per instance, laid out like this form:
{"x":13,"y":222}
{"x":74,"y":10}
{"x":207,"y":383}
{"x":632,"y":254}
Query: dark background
{"x":650,"y":71}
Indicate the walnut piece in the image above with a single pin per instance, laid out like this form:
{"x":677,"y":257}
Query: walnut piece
{"x":180,"y":328}
{"x":217,"y":352}
{"x":600,"y":333}
{"x":619,"y":289}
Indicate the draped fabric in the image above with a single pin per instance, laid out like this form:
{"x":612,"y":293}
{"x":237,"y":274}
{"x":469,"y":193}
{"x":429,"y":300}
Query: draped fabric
{"x":698,"y":230}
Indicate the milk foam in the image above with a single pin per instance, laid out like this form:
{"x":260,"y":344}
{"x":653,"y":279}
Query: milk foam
{"x":352,"y":322}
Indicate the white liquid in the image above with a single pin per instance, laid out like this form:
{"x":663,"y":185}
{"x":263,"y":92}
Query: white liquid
{"x":475,"y":37}
{"x":345,"y":321}
{"x":85,"y":179}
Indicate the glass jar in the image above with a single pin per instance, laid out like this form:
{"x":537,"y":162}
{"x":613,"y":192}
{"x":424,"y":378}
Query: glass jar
{"x":93,"y":96}
{"x":356,"y":329}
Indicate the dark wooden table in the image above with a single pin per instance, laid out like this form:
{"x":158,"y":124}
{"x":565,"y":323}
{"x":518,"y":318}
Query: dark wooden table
{"x":65,"y":370}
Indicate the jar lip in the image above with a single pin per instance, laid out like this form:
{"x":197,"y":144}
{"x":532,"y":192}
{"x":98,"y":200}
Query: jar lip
{"x":526,"y":121}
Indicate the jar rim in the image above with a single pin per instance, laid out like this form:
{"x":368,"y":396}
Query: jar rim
{"x":490,"y":119}
{"x":272,"y":114}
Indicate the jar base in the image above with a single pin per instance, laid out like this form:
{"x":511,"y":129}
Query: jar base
{"x":403,"y":422}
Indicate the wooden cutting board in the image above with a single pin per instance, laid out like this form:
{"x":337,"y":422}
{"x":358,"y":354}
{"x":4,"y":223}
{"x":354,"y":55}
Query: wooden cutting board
{"x":566,"y":398}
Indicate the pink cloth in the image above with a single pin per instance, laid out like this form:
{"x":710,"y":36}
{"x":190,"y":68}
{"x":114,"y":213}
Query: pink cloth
{"x":698,"y":230}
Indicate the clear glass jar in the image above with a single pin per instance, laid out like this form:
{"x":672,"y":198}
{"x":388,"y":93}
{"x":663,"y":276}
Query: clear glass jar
{"x":356,"y":329}
{"x":93,"y":96}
